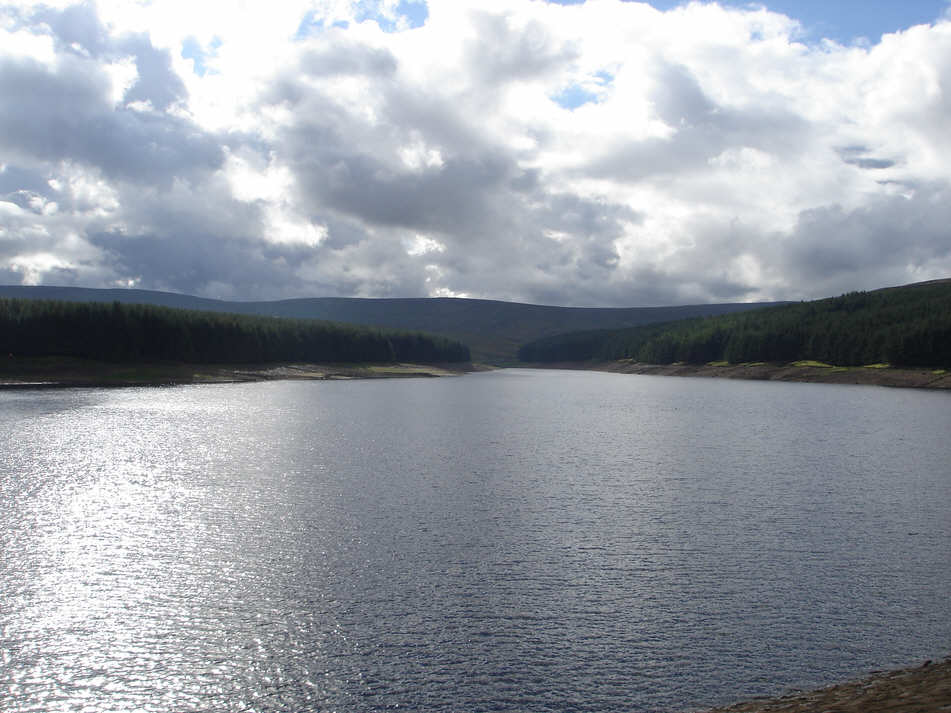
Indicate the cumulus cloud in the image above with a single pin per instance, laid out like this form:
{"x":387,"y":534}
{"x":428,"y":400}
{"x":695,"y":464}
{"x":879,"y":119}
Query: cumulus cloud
{"x":603,"y":153}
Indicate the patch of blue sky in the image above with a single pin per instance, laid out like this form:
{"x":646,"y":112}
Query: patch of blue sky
{"x":844,"y":21}
{"x":309,"y":25}
{"x":313,"y":25}
{"x":574,"y":96}
{"x":193,"y":50}
{"x":588,"y":91}
{"x":409,"y":14}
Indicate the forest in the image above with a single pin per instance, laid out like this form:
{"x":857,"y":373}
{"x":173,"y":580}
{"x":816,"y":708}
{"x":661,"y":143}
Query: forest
{"x":493,"y":330}
{"x":902,"y":326}
{"x":119,"y":332}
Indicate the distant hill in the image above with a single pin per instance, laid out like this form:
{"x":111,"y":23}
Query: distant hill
{"x":902,"y":326}
{"x":493,"y":330}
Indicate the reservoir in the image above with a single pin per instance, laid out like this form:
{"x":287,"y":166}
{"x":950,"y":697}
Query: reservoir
{"x":515,"y":540}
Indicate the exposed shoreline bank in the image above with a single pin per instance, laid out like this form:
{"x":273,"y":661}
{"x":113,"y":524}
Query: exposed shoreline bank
{"x":921,"y":689}
{"x":799,"y":372}
{"x":58,"y":373}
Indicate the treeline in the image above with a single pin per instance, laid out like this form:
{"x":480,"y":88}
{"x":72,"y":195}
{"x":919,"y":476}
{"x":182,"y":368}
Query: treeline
{"x":904,"y":326}
{"x":136,"y":333}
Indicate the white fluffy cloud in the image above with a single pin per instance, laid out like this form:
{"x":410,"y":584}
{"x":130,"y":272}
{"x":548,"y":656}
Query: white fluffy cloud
{"x":598,"y":154}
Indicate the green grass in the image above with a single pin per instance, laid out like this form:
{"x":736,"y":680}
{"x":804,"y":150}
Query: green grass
{"x":812,"y":363}
{"x":718,"y":363}
{"x":69,"y":369}
{"x":879,"y":365}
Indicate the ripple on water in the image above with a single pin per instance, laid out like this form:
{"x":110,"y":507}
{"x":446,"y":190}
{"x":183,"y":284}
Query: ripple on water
{"x":505,"y":541}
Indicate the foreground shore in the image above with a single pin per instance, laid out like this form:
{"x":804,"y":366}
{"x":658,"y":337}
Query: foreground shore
{"x":809,"y":372}
{"x":924,"y":689}
{"x":57,"y":372}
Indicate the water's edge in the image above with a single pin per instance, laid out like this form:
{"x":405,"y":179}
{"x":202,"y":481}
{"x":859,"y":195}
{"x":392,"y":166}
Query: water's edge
{"x":923,"y":687}
{"x":867,"y":376}
{"x":70,"y":373}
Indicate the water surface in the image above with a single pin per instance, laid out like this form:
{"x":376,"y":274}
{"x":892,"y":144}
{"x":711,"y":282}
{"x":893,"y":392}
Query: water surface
{"x":516,"y":540}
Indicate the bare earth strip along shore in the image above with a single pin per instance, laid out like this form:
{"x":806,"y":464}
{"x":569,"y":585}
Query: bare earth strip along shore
{"x":924,"y":689}
{"x":58,"y":372}
{"x":809,"y":372}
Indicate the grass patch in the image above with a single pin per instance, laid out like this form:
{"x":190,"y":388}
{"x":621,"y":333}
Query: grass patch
{"x":879,"y":365}
{"x":754,"y":363}
{"x":939,"y":372}
{"x":74,"y":370}
{"x":718,"y":363}
{"x":812,"y":363}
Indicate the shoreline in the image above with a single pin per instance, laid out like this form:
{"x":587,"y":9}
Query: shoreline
{"x":873,"y":375}
{"x":47,"y":373}
{"x":921,"y":689}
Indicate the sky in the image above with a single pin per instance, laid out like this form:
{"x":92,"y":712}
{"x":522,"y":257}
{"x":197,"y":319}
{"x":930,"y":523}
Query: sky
{"x":598,"y":153}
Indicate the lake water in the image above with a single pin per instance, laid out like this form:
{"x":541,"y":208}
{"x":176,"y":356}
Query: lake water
{"x":509,"y":541}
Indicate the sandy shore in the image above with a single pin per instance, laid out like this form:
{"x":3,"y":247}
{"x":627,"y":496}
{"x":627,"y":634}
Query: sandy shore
{"x":871,"y":375}
{"x":49,"y":373}
{"x":924,"y":689}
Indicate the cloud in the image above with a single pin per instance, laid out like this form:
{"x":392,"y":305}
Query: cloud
{"x":503,"y":47}
{"x":884,"y":241}
{"x":603,"y":153}
{"x":65,"y":110}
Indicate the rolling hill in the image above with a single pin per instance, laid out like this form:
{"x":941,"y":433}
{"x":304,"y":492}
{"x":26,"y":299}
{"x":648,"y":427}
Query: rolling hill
{"x":493,"y":330}
{"x":905,"y":326}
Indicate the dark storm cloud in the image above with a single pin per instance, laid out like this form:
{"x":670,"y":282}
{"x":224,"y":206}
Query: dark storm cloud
{"x":18,"y":185}
{"x":883,"y":243}
{"x":77,"y":28}
{"x":66,"y":114}
{"x":190,"y":263}
{"x":65,"y":111}
{"x":439,"y":199}
{"x":870,"y":163}
{"x":187,"y":240}
{"x":8,"y":276}
{"x":156,"y":83}
{"x":858,"y":156}
{"x":541,"y":244}
{"x":346,"y":165}
{"x":342,"y":233}
{"x":584,"y":217}
{"x":187,"y":256}
{"x":340,"y":58}
{"x":446,"y":122}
